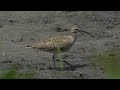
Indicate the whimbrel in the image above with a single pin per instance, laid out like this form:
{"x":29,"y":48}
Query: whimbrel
{"x":64,"y":43}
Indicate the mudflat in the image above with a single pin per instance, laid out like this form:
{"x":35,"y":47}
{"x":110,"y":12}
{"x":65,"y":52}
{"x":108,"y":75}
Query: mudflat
{"x":21,"y":28}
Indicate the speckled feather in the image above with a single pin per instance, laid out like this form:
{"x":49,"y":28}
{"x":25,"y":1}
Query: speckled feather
{"x":52,"y":44}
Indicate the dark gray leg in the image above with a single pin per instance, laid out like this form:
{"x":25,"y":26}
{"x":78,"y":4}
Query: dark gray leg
{"x":54,"y":59}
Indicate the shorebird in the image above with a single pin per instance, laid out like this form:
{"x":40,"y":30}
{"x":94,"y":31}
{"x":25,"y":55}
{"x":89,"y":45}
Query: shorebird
{"x":64,"y":43}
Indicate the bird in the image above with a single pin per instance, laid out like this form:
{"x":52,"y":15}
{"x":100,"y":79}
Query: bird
{"x":63,"y":43}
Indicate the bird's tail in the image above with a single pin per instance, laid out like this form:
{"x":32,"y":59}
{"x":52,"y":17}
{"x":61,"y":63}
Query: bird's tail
{"x":28,"y":46}
{"x":31,"y":46}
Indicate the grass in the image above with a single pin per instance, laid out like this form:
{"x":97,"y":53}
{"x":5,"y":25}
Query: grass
{"x":110,"y":62}
{"x":59,"y":57}
{"x":9,"y":74}
{"x":15,"y":74}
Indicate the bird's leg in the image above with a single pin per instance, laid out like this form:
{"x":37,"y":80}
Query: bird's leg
{"x":54,"y":57}
{"x":59,"y":59}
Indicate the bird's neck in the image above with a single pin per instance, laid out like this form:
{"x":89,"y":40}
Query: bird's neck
{"x":73,"y":35}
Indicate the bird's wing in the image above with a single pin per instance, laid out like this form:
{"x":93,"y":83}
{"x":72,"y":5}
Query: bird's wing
{"x":52,"y":43}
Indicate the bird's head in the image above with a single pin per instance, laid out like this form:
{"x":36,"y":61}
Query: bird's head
{"x":76,"y":29}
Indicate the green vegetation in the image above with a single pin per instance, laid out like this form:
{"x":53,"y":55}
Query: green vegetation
{"x":10,"y":74}
{"x":15,"y":74}
{"x":110,"y":62}
{"x":59,"y":57}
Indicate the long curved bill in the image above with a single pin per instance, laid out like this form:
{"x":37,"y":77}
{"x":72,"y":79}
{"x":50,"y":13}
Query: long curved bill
{"x":86,"y":33}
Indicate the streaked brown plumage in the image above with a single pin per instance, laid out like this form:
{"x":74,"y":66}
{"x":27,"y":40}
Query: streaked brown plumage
{"x":64,"y":43}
